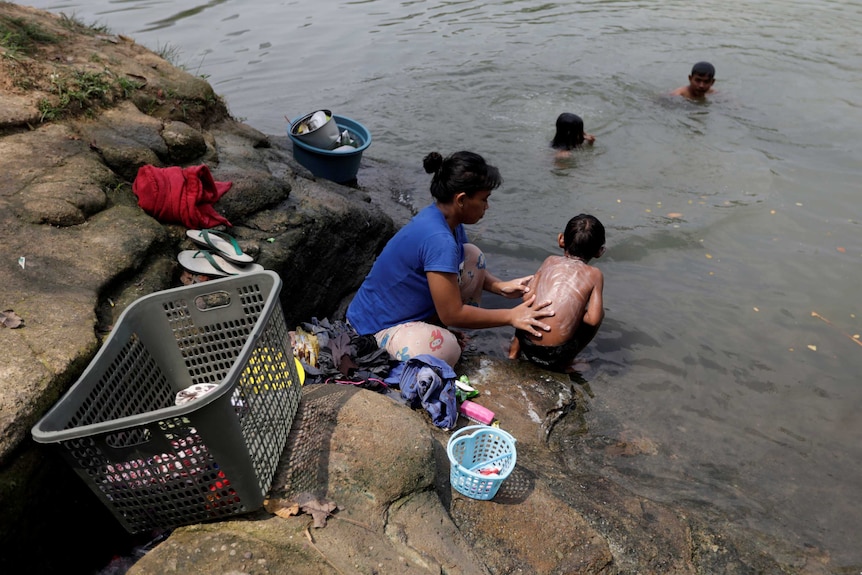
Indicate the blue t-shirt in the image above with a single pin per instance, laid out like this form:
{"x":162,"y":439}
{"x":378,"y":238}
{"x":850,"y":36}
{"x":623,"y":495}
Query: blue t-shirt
{"x":396,"y":290}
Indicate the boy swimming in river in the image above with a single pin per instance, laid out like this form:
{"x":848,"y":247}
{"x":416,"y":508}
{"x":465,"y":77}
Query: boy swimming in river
{"x":700,"y":82}
{"x":575,"y":288}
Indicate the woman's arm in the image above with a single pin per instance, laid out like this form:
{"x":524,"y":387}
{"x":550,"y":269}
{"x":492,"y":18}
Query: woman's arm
{"x":510,"y":289}
{"x":453,"y":312}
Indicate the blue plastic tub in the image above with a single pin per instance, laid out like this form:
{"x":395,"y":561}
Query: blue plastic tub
{"x":340,"y":167}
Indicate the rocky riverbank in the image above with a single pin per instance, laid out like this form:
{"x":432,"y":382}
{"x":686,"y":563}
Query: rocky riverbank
{"x":80,"y":111}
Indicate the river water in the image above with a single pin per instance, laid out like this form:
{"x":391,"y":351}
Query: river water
{"x":732,"y":271}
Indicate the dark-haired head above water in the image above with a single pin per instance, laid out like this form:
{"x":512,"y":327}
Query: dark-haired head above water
{"x":700,"y":82}
{"x":570,"y":134}
{"x":703,"y":69}
{"x":570,"y":131}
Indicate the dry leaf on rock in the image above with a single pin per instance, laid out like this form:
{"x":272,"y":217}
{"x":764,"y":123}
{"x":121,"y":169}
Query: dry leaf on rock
{"x":283,"y":509}
{"x":10,"y":319}
{"x":318,"y":508}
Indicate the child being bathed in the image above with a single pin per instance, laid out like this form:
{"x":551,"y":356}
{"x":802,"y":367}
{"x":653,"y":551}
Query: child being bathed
{"x":575,"y":288}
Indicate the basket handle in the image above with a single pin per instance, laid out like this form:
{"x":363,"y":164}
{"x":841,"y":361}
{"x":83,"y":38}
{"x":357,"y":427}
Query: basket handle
{"x":465,"y":430}
{"x":149,"y":438}
{"x":472,"y":428}
{"x":489,"y":461}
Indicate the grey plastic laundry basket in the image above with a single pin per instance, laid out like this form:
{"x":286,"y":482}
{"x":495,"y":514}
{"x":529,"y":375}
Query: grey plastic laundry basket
{"x":154,"y":463}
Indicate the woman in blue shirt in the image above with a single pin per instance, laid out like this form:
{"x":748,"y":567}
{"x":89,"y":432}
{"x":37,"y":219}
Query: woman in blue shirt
{"x":429,"y":277}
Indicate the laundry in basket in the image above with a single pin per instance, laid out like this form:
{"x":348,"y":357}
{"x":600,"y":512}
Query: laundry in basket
{"x":183,"y":414}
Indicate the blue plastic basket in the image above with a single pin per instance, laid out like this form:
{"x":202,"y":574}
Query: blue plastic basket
{"x":340,"y":167}
{"x":476,"y":448}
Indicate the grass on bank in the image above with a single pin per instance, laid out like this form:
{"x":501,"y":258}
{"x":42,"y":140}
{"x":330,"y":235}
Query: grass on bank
{"x":20,"y":37}
{"x":81,"y":92}
{"x":73,"y":92}
{"x":70,"y":92}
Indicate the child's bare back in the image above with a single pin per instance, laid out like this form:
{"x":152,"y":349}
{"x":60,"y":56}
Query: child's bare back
{"x":575,"y":289}
{"x":568,"y":283}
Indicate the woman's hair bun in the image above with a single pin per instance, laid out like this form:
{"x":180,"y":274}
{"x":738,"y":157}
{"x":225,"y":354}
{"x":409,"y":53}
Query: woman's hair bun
{"x":432,"y":162}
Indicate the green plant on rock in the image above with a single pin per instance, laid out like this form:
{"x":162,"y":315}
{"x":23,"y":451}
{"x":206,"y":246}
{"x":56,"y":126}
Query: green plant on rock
{"x":11,"y":47}
{"x":82,"y":92}
{"x":169,"y":53}
{"x":47,"y":110}
{"x":127,"y":85}
{"x":18,"y":36}
{"x":75,"y":24}
{"x":79,"y":93}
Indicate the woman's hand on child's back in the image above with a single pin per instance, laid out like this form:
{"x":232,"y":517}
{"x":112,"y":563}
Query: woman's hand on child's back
{"x":515,"y":288}
{"x":527,"y":316}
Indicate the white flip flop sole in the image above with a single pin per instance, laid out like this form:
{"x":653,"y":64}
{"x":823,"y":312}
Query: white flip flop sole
{"x":208,"y":263}
{"x":221,"y":244}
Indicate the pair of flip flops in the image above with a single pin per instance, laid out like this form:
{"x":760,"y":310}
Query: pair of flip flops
{"x":211,"y":264}
{"x":222,"y":256}
{"x":221,"y":244}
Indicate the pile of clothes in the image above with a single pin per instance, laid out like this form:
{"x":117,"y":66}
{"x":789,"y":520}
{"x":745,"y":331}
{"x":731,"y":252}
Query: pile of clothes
{"x":332,"y":352}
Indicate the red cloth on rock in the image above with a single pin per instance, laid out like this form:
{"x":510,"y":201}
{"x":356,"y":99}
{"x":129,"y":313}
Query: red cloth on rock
{"x":177,"y":195}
